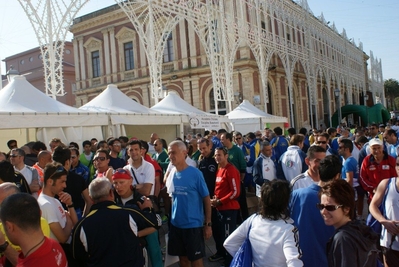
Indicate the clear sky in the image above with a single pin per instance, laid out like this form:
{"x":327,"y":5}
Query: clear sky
{"x":375,"y":23}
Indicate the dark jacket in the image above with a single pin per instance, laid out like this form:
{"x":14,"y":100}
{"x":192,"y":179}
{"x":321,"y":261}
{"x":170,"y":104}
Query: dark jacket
{"x":109,"y":237}
{"x":353,"y":245}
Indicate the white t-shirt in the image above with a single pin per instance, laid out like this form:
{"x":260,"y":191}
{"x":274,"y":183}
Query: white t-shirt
{"x":145,"y":174}
{"x":52,"y":211}
{"x":268,"y":169}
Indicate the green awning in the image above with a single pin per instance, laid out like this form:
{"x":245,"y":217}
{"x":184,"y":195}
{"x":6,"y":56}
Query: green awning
{"x":375,"y":114}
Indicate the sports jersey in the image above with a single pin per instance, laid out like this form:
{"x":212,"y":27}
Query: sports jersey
{"x":227,"y":187}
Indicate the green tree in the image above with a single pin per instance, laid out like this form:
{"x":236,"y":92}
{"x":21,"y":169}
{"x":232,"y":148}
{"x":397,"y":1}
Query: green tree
{"x":391,"y":87}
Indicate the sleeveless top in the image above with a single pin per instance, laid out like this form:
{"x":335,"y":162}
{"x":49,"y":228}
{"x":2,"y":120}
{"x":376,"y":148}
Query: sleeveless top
{"x":391,"y":213}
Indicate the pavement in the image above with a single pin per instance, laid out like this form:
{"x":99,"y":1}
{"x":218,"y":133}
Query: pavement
{"x":210,"y":249}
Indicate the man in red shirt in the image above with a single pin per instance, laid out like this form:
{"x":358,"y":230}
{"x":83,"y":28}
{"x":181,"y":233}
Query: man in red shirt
{"x":376,"y":167}
{"x":20,"y":214}
{"x":227,"y":190}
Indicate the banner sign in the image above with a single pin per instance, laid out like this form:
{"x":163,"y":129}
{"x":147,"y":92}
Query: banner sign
{"x":203,"y":122}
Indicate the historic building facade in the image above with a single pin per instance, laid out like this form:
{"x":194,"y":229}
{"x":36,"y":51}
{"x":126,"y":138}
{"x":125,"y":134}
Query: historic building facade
{"x":30,"y":64}
{"x":276,"y":54}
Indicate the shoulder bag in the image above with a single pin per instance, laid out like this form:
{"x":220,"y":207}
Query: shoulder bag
{"x":243,"y":257}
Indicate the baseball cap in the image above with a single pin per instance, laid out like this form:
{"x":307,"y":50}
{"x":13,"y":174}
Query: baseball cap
{"x":375,"y":141}
{"x":121,"y":174}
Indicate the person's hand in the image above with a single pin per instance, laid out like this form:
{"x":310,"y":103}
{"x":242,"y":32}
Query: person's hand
{"x":391,"y":226}
{"x":207,"y":232}
{"x":65,"y":198}
{"x":214,"y":202}
{"x":146,"y":203}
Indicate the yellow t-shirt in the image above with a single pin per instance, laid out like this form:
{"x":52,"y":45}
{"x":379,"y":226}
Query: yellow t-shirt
{"x":44,"y":225}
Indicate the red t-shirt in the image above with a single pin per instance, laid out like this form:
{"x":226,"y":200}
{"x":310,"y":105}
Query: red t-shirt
{"x":227,"y":187}
{"x":49,"y":254}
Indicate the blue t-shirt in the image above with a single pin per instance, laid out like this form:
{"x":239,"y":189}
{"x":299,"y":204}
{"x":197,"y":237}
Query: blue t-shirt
{"x":313,"y":232}
{"x":350,"y":165}
{"x":189,"y":190}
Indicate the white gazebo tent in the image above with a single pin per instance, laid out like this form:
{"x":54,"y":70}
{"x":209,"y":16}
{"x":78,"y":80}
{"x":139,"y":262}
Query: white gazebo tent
{"x":248,"y":118}
{"x":174,"y":104}
{"x":32,"y":115}
{"x":128,"y":117}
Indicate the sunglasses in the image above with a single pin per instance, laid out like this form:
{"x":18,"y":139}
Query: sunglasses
{"x":116,"y":144}
{"x":328,"y":207}
{"x":14,"y":156}
{"x":99,"y":158}
{"x":322,"y":142}
{"x":120,"y":170}
{"x":238,"y":138}
{"x":60,"y":169}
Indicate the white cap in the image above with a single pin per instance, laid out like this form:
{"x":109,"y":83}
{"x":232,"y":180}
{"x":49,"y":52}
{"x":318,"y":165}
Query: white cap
{"x":375,"y":141}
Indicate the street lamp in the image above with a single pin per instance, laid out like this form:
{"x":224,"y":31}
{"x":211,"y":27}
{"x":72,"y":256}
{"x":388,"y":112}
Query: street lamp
{"x":11,"y":73}
{"x":337,"y":94}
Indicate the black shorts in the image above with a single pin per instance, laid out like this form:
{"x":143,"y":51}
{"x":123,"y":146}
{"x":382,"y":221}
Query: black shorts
{"x":186,"y":242}
{"x":360,"y":192}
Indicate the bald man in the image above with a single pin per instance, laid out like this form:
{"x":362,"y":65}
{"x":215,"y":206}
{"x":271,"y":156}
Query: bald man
{"x":43,"y":158}
{"x":151,"y":149}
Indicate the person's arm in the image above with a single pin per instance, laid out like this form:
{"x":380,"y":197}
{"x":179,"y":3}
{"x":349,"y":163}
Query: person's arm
{"x":208,"y":210}
{"x":144,"y":189}
{"x":79,"y":250}
{"x":146,"y":231}
{"x":62,"y":234}
{"x":375,"y":211}
{"x":10,"y":253}
{"x":291,"y":249}
{"x":35,"y":184}
{"x":88,"y":202}
{"x":257,"y":173}
{"x":157,"y":185}
{"x":67,"y":200}
{"x":236,"y":238}
{"x":349,"y":177}
{"x":364,"y":178}
{"x":234,"y":186}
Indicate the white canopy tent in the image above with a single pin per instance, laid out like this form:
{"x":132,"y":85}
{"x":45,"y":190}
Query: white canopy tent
{"x":248,"y":118}
{"x":22,"y":106}
{"x":174,"y":104}
{"x":127,"y":117}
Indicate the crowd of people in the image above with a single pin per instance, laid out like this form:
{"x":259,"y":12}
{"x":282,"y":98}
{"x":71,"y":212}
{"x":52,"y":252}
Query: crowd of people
{"x":102,"y":203}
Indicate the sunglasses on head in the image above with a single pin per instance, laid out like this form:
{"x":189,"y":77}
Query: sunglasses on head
{"x":99,"y":158}
{"x":328,"y":207}
{"x":120,"y":170}
{"x":60,"y":169}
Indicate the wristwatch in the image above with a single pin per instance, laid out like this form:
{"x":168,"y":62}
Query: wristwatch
{"x":3,"y":247}
{"x":70,"y":206}
{"x":207,"y":224}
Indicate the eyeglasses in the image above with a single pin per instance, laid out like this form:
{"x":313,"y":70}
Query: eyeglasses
{"x":99,"y":158}
{"x":14,"y":156}
{"x":328,"y":207}
{"x":60,"y":169}
{"x":322,"y":142}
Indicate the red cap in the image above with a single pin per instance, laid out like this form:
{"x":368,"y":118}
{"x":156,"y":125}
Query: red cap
{"x":121,"y":174}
